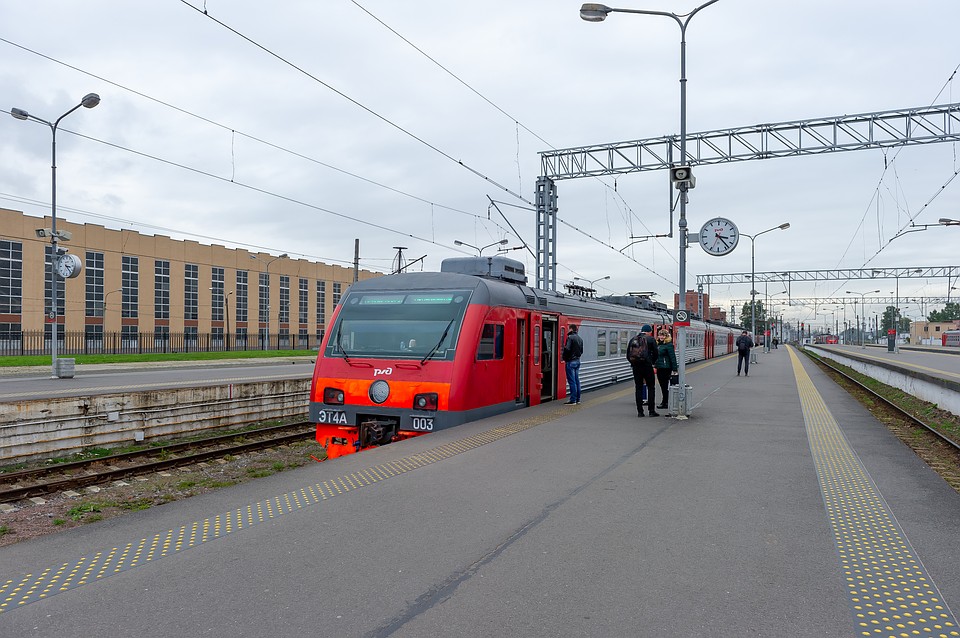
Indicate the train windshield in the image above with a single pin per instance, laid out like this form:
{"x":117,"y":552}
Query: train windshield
{"x":405,"y":325}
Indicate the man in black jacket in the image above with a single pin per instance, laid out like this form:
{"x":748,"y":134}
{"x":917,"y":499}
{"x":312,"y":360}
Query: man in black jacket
{"x":572,"y":351}
{"x":643,"y":374}
{"x":744,"y":343}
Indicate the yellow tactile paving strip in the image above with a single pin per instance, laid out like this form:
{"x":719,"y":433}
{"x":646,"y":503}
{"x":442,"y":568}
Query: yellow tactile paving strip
{"x":32,"y":587}
{"x":890,"y":592}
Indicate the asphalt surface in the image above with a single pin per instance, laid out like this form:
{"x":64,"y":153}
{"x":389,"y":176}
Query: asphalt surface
{"x":36,"y":382}
{"x":552,"y":521}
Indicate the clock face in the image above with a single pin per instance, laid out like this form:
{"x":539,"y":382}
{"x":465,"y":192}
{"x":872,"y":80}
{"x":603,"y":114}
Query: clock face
{"x":719,"y":236}
{"x":69,"y":266}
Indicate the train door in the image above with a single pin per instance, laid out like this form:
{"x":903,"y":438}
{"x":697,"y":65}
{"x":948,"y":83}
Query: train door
{"x":534,"y":352}
{"x":520,"y":395}
{"x":549,"y":366}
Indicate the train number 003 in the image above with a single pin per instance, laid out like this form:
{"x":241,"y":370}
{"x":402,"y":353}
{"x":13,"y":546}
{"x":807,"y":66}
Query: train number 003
{"x":423,"y":423}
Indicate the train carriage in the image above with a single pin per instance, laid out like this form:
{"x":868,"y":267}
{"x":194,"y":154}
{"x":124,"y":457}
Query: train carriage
{"x":412,"y":353}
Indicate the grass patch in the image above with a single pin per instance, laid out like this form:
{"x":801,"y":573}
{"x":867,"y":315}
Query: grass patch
{"x":260,"y":472}
{"x":4,"y":530}
{"x":80,"y":511}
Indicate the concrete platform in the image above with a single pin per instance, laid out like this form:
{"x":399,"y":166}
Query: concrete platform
{"x":780,"y":508}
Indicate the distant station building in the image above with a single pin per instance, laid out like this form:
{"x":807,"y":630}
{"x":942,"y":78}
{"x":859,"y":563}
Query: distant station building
{"x":698,"y":303}
{"x":170,"y":290}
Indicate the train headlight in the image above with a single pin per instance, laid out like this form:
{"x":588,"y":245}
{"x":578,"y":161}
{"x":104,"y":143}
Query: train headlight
{"x":426,"y":401}
{"x":379,"y":391}
{"x":333,"y":396}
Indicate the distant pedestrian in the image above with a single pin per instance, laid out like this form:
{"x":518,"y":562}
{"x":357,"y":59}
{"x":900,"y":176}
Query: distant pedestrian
{"x":642,"y":354}
{"x":666,"y":364}
{"x":572,"y":351}
{"x":744,"y":343}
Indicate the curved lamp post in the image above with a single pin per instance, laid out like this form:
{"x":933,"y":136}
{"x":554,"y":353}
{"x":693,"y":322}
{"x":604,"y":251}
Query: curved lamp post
{"x":89,"y":101}
{"x":598,"y":13}
{"x":592,"y":281}
{"x":267,"y":309}
{"x":753,"y":281}
{"x":502,"y":242}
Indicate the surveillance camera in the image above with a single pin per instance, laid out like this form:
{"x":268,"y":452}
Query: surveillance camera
{"x":44,"y":232}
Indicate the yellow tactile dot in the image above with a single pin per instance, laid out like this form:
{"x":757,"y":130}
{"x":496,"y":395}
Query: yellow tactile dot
{"x":882,"y":573}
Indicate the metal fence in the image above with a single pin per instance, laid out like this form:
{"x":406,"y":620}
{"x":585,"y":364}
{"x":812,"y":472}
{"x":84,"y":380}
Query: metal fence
{"x":73,"y":343}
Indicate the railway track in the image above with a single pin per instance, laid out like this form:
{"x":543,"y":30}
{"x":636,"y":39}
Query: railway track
{"x":948,"y":440}
{"x":18,"y":485}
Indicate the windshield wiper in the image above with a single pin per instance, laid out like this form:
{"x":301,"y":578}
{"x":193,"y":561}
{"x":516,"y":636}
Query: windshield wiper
{"x":340,"y":344}
{"x":433,"y":350}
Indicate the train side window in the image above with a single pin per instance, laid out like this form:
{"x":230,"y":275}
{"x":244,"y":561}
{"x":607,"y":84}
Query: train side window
{"x":624,"y":340}
{"x":491,"y":342}
{"x":601,"y":343}
{"x":614,"y":341}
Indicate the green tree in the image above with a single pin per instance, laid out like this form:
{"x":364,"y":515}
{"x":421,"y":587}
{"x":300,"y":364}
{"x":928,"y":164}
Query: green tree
{"x":950,"y":312}
{"x":886,"y":321}
{"x":761,"y":315}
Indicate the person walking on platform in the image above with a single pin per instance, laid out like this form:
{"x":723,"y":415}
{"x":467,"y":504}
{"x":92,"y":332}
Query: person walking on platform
{"x":744,"y":343}
{"x":666,"y":364}
{"x":572,"y":351}
{"x":642,"y":354}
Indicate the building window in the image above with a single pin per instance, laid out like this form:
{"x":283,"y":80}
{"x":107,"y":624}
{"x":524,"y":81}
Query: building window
{"x":129,"y":337}
{"x":9,"y":332}
{"x":161,"y":289}
{"x":191,"y":286}
{"x":242,"y":303}
{"x":240,"y":340}
{"x":11,"y":278}
{"x":93,"y":273}
{"x":321,"y":306}
{"x":336,"y":293}
{"x":264,"y":298}
{"x":130,"y":280}
{"x":216,"y":294}
{"x":190,"y":335}
{"x":284,"y":299}
{"x":304,"y":305}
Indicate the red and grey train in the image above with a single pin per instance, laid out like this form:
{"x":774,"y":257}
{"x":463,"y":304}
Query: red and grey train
{"x":413,"y":353}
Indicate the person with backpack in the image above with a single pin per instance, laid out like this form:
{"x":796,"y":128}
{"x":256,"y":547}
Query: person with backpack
{"x":572,"y":351}
{"x":642,"y":354}
{"x":666,"y":364}
{"x":744,"y":343}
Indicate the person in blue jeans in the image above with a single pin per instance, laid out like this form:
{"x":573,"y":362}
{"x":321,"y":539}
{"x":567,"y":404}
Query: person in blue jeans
{"x":572,"y":350}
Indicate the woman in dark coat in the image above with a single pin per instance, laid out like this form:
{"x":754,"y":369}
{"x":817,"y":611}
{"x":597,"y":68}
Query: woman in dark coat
{"x":666,"y":364}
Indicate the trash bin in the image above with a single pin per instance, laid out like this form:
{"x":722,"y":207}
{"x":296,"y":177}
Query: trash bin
{"x":65,"y":368}
{"x":891,"y":341}
{"x":674,"y":405}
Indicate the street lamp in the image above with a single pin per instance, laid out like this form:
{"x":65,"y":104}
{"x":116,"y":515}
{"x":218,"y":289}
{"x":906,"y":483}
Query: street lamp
{"x":267,"y":309}
{"x":946,"y":221}
{"x":592,"y":281}
{"x":598,"y":13}
{"x":753,"y":280}
{"x":226,"y":315}
{"x":89,"y":101}
{"x":502,"y":242}
{"x":863,"y":306}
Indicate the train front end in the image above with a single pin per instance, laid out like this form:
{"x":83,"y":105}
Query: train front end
{"x":386,"y":365}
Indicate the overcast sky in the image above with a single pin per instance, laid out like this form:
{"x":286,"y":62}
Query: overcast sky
{"x":299,"y":126}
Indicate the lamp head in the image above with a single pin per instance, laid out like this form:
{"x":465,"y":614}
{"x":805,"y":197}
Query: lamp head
{"x":283,"y":256}
{"x":457,"y":242}
{"x":20,"y":114}
{"x":592,"y":12}
{"x":504,"y":242}
{"x":90,"y":100}
{"x":784,"y":226}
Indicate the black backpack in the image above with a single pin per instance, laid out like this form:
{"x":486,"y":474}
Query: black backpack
{"x":639,"y":350}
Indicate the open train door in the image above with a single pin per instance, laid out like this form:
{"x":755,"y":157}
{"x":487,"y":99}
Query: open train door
{"x":549,"y":360}
{"x":534,"y":352}
{"x":520,"y":374}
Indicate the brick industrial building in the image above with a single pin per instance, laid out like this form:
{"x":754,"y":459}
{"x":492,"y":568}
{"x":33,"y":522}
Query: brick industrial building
{"x":151,"y":292}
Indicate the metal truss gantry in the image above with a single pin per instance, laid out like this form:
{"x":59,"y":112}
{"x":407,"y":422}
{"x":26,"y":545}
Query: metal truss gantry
{"x":914,"y":272}
{"x":883,"y":129}
{"x":921,"y":125}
